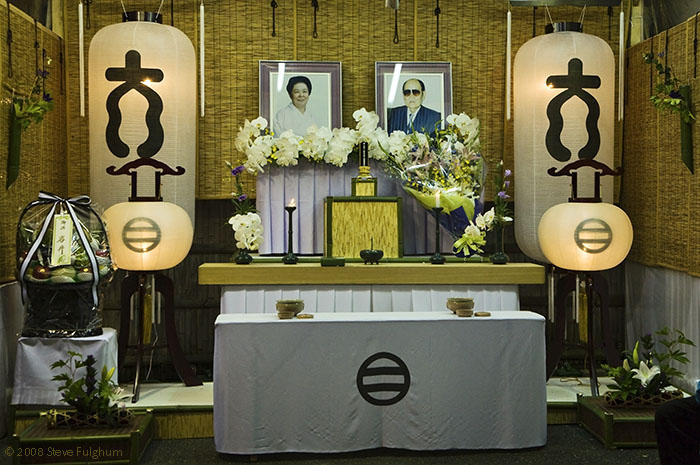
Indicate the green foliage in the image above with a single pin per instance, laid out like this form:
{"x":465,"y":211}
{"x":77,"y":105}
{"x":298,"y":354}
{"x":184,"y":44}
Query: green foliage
{"x":502,"y":212}
{"x":667,"y":95}
{"x":31,"y":109}
{"x":637,"y":376}
{"x":87,"y":395}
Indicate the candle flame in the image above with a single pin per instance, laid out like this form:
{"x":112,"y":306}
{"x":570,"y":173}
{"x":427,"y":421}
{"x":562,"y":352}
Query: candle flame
{"x":292,"y":203}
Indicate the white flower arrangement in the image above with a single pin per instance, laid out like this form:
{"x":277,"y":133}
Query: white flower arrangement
{"x":474,"y":236}
{"x":248,"y":230}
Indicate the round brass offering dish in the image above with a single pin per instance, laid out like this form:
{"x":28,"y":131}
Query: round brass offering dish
{"x":460,"y":303}
{"x":290,"y":306}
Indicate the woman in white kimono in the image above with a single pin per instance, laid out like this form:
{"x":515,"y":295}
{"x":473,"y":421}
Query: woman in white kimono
{"x":295,"y":116}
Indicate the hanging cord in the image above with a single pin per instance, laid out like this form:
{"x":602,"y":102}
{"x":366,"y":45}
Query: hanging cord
{"x":273,"y":4}
{"x":123,"y":7}
{"x":546,"y":10}
{"x":651,"y":68}
{"x":666,"y":53}
{"x":396,"y":26}
{"x":43,"y":71}
{"x":437,"y":23}
{"x":87,"y":13}
{"x":9,"y":41}
{"x":583,"y":13}
{"x":60,"y":62}
{"x":610,"y":13}
{"x":172,"y":13}
{"x":36,"y":46}
{"x":159,"y":7}
{"x":534,"y":21}
{"x":314,"y":5}
{"x":695,"y":48}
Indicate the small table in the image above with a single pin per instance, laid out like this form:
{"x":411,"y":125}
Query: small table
{"x":35,"y":355}
{"x":349,"y":381}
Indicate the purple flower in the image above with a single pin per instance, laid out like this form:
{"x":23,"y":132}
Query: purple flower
{"x":507,"y":184}
{"x":503,"y":195}
{"x":675,"y":94}
{"x":47,"y":97}
{"x":241,"y":197}
{"x":507,"y":173}
{"x":661,"y":54}
{"x":42,"y":74}
{"x":237,"y":170}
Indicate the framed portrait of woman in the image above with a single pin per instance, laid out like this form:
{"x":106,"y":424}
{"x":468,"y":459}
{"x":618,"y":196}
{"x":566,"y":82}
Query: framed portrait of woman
{"x":413,"y":95}
{"x":295,"y":95}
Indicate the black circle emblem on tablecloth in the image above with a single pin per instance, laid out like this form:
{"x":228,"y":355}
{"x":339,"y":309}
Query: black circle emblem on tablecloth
{"x":383,"y":379}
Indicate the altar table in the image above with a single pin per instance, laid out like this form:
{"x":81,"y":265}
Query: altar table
{"x":351,"y":381}
{"x":388,"y":287}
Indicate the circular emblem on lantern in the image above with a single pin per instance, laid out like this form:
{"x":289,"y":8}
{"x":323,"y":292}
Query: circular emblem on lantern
{"x":593,"y":235}
{"x":383,"y":379}
{"x":141,"y":234}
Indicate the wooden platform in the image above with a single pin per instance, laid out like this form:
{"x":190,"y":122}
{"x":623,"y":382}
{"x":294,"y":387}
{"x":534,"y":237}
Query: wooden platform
{"x":616,"y":427}
{"x":274,"y":273}
{"x":124,"y":445}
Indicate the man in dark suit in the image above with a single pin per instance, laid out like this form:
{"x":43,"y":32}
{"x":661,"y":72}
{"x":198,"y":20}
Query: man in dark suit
{"x":413,"y":115}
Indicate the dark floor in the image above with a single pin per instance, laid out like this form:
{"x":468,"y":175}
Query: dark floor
{"x":566,"y":445}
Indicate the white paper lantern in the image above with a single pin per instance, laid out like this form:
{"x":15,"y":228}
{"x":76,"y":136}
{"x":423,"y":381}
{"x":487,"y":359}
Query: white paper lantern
{"x":148,"y":236}
{"x":585,"y":236}
{"x":580,"y":123}
{"x":142,"y":103}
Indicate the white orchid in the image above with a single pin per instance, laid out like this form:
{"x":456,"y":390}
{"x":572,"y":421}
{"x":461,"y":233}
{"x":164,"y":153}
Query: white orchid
{"x":287,"y":145}
{"x":248,"y":230}
{"x":315,"y":143}
{"x":644,"y":373}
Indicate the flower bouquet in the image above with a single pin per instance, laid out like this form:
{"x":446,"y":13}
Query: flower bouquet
{"x":644,"y":379}
{"x":246,"y":223}
{"x":444,"y":170}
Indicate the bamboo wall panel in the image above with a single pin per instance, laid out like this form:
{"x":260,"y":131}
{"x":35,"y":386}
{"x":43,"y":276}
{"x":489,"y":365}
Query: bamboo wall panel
{"x":355,"y":32}
{"x":43,"y":149}
{"x":658,"y":191}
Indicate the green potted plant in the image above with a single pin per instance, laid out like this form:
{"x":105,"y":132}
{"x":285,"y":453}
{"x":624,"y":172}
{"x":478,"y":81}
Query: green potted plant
{"x":645,"y":378}
{"x":94,"y":401}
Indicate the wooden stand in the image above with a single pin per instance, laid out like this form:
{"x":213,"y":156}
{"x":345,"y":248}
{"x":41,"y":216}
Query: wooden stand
{"x":125,"y":445}
{"x":616,"y":427}
{"x":135,"y":283}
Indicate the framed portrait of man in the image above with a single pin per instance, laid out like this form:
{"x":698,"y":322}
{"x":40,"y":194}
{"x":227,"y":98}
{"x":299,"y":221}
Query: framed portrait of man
{"x":295,"y":95}
{"x":413,"y":95}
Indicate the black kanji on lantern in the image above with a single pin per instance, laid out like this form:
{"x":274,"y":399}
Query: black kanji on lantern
{"x":574,"y":82}
{"x":134,"y":77}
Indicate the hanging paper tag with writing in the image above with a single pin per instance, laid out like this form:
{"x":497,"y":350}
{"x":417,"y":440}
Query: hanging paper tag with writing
{"x":61,"y":241}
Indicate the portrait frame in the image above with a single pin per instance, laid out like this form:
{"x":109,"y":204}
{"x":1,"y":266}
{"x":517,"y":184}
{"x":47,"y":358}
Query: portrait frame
{"x":389,"y":79}
{"x":326,"y":80}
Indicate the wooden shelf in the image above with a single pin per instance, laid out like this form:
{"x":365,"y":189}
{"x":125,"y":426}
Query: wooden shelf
{"x":262,"y":273}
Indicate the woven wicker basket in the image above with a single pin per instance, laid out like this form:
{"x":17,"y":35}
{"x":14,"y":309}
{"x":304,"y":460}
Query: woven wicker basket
{"x":644,"y":401}
{"x":74,"y":419}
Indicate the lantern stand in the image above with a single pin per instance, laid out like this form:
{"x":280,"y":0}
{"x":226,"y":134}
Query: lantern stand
{"x":136,"y":282}
{"x":595,"y":283}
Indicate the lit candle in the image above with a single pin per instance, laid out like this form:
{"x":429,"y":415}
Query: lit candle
{"x":437,"y":199}
{"x":292,"y":203}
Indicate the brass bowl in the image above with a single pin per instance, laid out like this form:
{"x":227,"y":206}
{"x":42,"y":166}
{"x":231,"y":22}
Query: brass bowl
{"x":293,"y":306}
{"x":460,"y":303}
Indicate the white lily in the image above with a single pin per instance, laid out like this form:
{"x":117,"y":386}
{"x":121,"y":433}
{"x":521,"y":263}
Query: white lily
{"x":645,"y":374}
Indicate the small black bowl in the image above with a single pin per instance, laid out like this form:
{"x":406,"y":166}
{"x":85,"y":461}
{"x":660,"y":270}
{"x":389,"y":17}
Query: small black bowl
{"x":371,"y":256}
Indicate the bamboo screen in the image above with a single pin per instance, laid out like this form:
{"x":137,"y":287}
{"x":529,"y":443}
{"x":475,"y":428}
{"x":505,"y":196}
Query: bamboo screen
{"x":355,"y":32}
{"x":43,"y":149}
{"x":658,"y":192}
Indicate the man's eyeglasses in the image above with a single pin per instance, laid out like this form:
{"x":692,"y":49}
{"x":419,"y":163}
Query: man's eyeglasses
{"x":407,"y":92}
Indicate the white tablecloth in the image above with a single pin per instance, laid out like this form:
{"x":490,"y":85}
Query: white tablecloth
{"x":292,"y":385}
{"x":35,"y":355}
{"x":374,"y":298}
